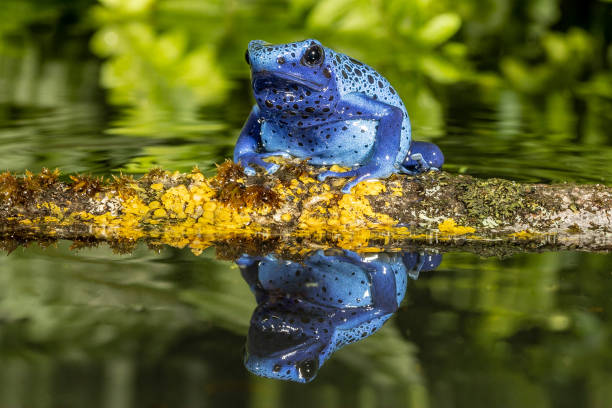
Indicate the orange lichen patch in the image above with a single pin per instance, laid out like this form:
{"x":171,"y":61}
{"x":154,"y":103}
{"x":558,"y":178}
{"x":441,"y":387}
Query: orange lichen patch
{"x":180,"y":209}
{"x":306,"y":180}
{"x":339,"y":169}
{"x":53,"y":210}
{"x":326,"y":210}
{"x":525,"y":234}
{"x":175,"y":200}
{"x":370,"y":187}
{"x":449,"y":226}
{"x":159,"y":213}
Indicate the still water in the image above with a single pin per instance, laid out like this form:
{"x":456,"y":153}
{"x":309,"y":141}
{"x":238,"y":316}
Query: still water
{"x":166,"y":328}
{"x":89,"y":327}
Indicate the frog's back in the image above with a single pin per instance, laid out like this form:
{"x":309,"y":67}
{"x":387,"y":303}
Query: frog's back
{"x":355,"y":76}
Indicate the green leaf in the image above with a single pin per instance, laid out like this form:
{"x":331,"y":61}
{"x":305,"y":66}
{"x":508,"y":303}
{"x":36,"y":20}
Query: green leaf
{"x":440,"y":70}
{"x":439,"y":29}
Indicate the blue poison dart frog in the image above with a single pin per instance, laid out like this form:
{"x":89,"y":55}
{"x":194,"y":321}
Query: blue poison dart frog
{"x":307,"y":310}
{"x":315,"y":103}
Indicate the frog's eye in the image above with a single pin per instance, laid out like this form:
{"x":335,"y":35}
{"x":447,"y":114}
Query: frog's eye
{"x":314,"y":55}
{"x":246,"y":57}
{"x":308,"y":368}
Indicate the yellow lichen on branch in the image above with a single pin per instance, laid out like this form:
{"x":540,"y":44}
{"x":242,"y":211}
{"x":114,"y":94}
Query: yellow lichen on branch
{"x":192,"y":210}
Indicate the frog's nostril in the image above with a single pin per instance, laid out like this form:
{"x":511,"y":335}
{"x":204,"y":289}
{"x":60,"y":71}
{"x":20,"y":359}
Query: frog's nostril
{"x":280,"y":60}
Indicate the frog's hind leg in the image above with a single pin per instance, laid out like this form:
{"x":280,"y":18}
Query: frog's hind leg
{"x":421,"y":157}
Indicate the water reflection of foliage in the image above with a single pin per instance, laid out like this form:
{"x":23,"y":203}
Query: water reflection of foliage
{"x":136,"y":316}
{"x":526,"y":331}
{"x":525,"y":337}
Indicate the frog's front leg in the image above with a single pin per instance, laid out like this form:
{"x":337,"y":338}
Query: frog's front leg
{"x":249,"y":268}
{"x":248,"y":144}
{"x":386,"y":145}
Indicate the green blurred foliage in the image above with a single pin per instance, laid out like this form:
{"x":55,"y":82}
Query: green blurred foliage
{"x":171,"y":73}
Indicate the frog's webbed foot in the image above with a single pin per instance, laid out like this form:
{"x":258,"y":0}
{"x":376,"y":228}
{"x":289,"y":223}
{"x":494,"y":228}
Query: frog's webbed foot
{"x":361,"y":173}
{"x":423,"y":156}
{"x":421,"y":165}
{"x":248,"y":160}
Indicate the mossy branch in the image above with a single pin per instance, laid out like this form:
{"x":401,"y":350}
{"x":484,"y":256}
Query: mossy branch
{"x":434,"y":209}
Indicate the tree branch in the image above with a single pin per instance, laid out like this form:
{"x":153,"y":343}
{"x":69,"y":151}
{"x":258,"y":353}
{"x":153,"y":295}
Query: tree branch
{"x":291,"y":209}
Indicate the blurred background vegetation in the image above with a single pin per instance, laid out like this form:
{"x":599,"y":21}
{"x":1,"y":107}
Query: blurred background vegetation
{"x":129,"y":84}
{"x":513,"y":88}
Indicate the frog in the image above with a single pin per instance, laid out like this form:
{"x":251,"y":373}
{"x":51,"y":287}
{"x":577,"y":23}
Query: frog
{"x":308,"y":309}
{"x":325,"y":107}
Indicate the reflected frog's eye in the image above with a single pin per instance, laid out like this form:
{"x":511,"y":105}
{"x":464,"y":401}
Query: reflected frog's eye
{"x":314,"y":55}
{"x":246,"y":57}
{"x":308,"y":368}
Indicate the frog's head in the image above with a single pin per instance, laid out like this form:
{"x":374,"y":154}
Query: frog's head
{"x":284,"y":352}
{"x":295,"y":79}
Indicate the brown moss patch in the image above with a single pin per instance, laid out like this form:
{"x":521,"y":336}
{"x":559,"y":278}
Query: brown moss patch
{"x":122,"y":183}
{"x":233,"y":190}
{"x":9,"y":186}
{"x":155,"y":174}
{"x":229,"y":172}
{"x":23,"y":190}
{"x":86,"y":185}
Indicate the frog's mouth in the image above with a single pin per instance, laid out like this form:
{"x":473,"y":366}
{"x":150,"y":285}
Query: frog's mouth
{"x":281,"y":81}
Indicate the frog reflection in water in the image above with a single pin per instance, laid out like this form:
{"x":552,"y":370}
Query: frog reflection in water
{"x":307,"y":310}
{"x":318,"y":104}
